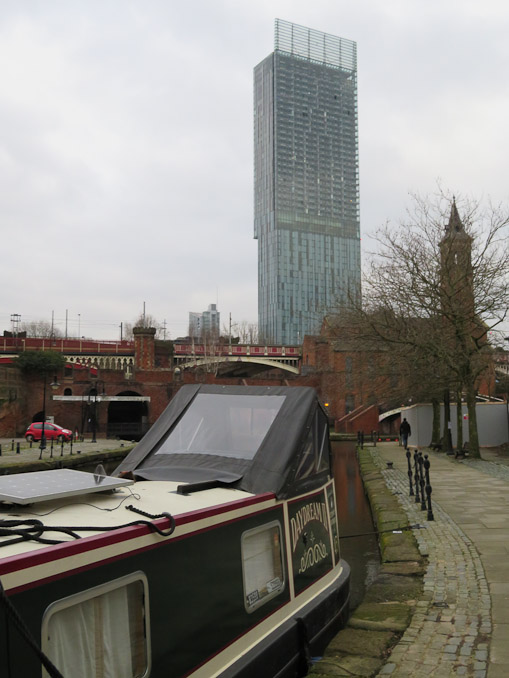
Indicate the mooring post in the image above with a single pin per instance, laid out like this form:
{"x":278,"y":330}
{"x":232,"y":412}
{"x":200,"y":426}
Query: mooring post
{"x":416,"y":476}
{"x":421,"y":481}
{"x":408,"y":455}
{"x":428,"y":487}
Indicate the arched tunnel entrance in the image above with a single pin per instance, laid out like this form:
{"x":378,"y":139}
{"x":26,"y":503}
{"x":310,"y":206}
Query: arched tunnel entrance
{"x":128,"y":419}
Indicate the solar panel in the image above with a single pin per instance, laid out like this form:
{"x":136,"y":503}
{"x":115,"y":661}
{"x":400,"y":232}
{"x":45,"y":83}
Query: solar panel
{"x":37,"y":486}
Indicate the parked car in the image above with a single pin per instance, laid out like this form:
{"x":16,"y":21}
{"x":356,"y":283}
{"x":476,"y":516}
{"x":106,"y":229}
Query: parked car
{"x":51,"y":432}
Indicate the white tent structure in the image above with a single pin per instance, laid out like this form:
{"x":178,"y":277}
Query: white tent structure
{"x":492,"y":422}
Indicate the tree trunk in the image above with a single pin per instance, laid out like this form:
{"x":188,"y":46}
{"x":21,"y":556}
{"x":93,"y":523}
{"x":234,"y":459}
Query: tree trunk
{"x":473,"y":442}
{"x":435,"y":433}
{"x":446,"y":438}
{"x":459,"y":421}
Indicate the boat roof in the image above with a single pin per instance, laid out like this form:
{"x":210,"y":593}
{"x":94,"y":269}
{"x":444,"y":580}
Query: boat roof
{"x":107,"y":511}
{"x":253,"y":438}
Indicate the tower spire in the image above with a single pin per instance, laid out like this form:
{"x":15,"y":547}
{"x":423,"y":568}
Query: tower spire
{"x":455,"y":224}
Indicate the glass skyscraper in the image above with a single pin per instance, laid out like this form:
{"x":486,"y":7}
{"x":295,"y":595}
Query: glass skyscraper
{"x":306,"y":181}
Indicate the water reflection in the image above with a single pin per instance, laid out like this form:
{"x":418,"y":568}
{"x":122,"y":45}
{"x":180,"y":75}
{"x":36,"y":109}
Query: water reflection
{"x":354,"y":516}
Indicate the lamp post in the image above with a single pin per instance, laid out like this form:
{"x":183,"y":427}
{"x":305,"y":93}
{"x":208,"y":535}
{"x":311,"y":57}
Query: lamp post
{"x":96,"y":399}
{"x":54,"y":384}
{"x":94,"y":418}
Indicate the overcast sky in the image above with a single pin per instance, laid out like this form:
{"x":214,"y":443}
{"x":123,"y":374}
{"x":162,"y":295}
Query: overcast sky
{"x":126,"y":148}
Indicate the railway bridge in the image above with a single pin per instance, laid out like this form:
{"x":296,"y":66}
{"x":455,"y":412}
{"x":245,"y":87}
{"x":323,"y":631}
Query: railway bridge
{"x":236,"y":360}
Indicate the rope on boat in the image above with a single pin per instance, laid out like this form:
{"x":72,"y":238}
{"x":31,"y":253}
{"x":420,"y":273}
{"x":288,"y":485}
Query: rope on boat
{"x":134,"y":509}
{"x":33,"y":529}
{"x":18,"y":622}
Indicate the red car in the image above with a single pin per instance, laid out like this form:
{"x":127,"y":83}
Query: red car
{"x":51,"y":432}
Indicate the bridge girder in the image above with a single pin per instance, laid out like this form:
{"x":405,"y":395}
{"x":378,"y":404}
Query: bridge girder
{"x":221,"y":360}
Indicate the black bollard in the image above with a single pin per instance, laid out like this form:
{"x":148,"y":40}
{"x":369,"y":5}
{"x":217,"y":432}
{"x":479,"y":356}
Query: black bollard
{"x":408,"y":455}
{"x":51,"y":449}
{"x":362,"y":440}
{"x":428,"y":487}
{"x":18,"y":448}
{"x":12,"y":446}
{"x":421,"y":481}
{"x":31,"y":441}
{"x":0,"y":449}
{"x":62,"y":447}
{"x":375,"y":436}
{"x":416,"y":477}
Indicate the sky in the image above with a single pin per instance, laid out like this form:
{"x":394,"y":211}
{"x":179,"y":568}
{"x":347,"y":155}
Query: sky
{"x":126,"y":146}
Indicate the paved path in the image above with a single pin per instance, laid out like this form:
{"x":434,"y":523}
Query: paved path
{"x":461,"y":627}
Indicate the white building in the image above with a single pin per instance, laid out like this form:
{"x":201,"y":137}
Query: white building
{"x":206,"y":324}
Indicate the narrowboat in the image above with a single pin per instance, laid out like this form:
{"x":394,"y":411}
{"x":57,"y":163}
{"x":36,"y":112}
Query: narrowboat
{"x":212,"y":550}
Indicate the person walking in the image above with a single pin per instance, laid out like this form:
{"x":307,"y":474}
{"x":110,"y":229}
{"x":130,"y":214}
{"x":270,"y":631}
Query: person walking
{"x":405,"y":432}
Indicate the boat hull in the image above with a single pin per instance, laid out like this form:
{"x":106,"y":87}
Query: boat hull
{"x":288,"y":651}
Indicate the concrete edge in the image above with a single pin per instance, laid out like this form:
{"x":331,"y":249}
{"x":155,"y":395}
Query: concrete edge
{"x":77,"y":460}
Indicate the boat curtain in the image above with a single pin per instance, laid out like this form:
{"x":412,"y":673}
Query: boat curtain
{"x":92,"y":639}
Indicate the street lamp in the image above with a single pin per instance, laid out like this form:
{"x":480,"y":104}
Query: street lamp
{"x":96,"y":399}
{"x":54,"y":384}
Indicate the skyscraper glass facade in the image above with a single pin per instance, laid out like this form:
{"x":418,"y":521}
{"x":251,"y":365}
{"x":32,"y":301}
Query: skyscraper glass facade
{"x":306,"y":185}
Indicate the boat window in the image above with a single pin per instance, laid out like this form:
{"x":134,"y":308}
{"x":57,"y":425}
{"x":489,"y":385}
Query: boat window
{"x":262,"y":565}
{"x":223,"y":425}
{"x":100,"y":632}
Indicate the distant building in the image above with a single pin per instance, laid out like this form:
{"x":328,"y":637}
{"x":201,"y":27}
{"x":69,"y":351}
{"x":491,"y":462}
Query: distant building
{"x":306,"y":182}
{"x":206,"y":324}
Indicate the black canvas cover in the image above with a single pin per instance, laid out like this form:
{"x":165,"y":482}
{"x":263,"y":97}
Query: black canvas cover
{"x":255,"y":438}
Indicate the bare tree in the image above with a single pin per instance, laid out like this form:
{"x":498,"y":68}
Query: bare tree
{"x":246,"y":332}
{"x":437,"y":285}
{"x":143,"y":320}
{"x":41,"y":329}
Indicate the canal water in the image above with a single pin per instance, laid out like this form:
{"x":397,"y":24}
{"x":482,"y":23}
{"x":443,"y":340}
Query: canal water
{"x":354,"y":516}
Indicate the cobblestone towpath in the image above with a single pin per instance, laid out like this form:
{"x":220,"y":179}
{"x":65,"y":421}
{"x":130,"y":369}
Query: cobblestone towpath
{"x":461,"y":623}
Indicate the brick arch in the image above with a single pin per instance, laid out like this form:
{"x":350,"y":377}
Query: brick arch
{"x":128,"y":419}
